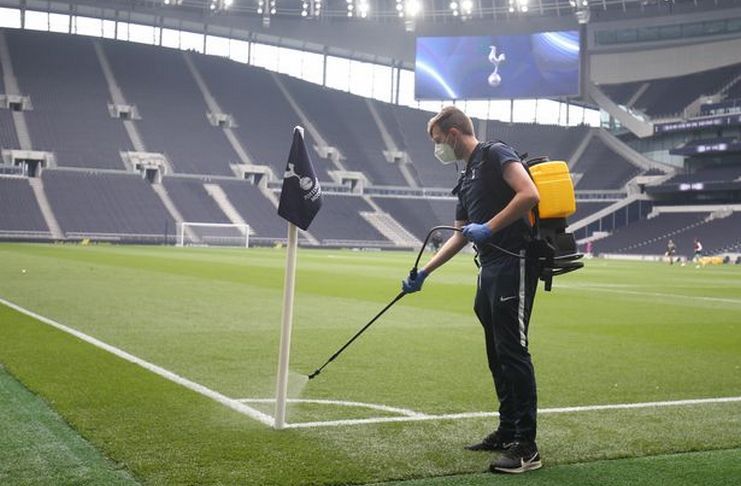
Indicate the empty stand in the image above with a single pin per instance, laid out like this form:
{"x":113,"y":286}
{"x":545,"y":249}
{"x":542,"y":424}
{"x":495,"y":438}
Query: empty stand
{"x":107,"y":203}
{"x":255,"y":209}
{"x":558,"y":143}
{"x":196,"y":205}
{"x":623,"y":92}
{"x":172,"y":109}
{"x":411,"y":127}
{"x":715,"y":173}
{"x":602,"y":168}
{"x":265,"y":119}
{"x":419,"y":215}
{"x":8,"y":137}
{"x":345,"y":122}
{"x":19,"y":210}
{"x":340,"y":220}
{"x":670,"y":96}
{"x":70,"y":117}
{"x":69,"y":95}
{"x":715,"y":235}
{"x":649,"y":236}
{"x":192,"y":200}
{"x":586,"y":208}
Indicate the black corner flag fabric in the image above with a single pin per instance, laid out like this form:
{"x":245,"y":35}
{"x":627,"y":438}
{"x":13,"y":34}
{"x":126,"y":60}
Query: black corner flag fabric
{"x":301,"y":196}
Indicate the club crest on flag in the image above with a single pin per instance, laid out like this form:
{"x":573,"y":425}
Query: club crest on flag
{"x":301,"y":195}
{"x":311,"y":186}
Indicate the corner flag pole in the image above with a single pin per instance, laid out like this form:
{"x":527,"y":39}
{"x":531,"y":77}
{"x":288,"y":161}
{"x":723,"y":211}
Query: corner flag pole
{"x":289,"y":284}
{"x":281,"y":390}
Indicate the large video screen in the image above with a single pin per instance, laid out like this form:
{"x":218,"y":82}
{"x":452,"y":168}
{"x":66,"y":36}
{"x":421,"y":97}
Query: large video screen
{"x":545,"y":64}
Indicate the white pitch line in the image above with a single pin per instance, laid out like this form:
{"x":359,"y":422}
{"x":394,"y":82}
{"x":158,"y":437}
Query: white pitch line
{"x":342,"y":403}
{"x":599,"y":288}
{"x":196,"y":387}
{"x":466,"y":415}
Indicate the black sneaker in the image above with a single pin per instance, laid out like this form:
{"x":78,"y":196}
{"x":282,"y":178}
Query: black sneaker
{"x":492,"y":442}
{"x":519,"y":458}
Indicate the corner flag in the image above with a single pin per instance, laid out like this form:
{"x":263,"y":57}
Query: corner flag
{"x":301,"y":195}
{"x":300,"y":200}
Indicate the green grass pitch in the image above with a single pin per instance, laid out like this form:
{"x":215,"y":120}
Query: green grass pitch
{"x":613,"y":333}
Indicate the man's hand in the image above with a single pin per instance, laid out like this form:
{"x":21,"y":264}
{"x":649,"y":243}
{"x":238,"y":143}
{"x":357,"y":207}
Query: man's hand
{"x":477,"y":233}
{"x":411,"y":285}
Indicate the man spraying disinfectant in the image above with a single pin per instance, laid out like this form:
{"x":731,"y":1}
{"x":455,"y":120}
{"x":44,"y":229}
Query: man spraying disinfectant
{"x":515,"y":214}
{"x":495,"y":197}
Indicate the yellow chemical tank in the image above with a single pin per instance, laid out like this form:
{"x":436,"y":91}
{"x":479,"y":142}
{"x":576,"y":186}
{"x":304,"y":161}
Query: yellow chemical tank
{"x":556,"y":189}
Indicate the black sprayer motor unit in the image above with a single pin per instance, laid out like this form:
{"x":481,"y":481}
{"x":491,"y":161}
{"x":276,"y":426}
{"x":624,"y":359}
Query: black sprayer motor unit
{"x":554,"y":248}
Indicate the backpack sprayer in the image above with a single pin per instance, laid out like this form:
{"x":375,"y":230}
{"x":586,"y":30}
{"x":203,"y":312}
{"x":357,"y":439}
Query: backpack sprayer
{"x":551,"y":245}
{"x":554,"y":249}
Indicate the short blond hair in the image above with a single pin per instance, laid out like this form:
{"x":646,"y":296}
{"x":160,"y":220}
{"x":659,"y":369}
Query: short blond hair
{"x":450,"y":117}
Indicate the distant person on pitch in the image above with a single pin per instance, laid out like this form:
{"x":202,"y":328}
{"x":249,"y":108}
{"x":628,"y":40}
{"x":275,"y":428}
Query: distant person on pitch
{"x":697,"y":249}
{"x":671,"y":250}
{"x":495,"y":195}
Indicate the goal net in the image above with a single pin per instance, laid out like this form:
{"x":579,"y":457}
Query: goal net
{"x":213,"y":234}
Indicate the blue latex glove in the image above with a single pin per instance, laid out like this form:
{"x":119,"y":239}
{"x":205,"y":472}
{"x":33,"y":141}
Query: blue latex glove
{"x":477,"y":233}
{"x":411,"y":285}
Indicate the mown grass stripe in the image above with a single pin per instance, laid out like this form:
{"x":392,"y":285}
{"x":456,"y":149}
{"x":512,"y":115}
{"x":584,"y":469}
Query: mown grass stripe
{"x":191,"y":385}
{"x":37,"y":444}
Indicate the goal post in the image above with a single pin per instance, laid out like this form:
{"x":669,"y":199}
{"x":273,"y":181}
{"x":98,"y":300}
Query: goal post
{"x":213,"y":234}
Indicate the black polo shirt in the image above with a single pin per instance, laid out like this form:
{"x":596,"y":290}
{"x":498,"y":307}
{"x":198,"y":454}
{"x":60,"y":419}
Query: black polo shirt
{"x":482,"y":192}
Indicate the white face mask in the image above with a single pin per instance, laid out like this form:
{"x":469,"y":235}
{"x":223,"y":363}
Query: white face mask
{"x":445,"y":153}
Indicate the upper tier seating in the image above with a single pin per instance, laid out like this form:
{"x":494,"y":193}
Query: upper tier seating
{"x":265,"y":119}
{"x":345,"y":121}
{"x":667,"y":97}
{"x":602,"y":168}
{"x":172,"y":109}
{"x":68,"y":91}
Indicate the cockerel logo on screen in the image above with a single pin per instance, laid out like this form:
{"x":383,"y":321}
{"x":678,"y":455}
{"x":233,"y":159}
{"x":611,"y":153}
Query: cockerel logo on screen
{"x":494,"y":78}
{"x":306,"y":183}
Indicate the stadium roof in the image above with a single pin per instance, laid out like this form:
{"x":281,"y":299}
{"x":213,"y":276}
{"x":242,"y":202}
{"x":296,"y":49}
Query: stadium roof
{"x":405,"y":11}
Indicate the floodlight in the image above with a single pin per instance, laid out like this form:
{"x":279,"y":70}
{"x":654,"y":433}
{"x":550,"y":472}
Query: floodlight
{"x":412,"y":8}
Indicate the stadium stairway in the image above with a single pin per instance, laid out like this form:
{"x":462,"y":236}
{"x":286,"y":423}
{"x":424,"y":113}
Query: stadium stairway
{"x":222,"y":200}
{"x":392,"y":152}
{"x":118,"y":97}
{"x":388,"y":226}
{"x":640,"y":128}
{"x":631,"y":155}
{"x":324,"y":149}
{"x":580,"y":149}
{"x":161,"y":192}
{"x":215,"y":111}
{"x":51,"y":221}
{"x":638,"y":93}
{"x":10,"y":84}
{"x":391,"y":229}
